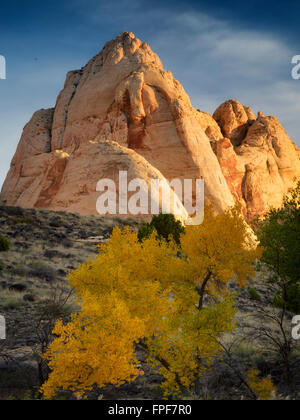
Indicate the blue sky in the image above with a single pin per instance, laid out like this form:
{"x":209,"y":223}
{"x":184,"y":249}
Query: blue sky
{"x":216,"y":49}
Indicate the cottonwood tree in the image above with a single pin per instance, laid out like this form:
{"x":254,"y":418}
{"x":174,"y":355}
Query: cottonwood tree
{"x":175,"y":304}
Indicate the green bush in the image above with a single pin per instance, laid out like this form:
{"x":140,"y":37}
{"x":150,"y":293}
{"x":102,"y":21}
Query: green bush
{"x":292,"y":299}
{"x":278,"y":302}
{"x":145,"y":231}
{"x":12,"y":304}
{"x":165,"y":225}
{"x":4,"y":244}
{"x":25,"y":221}
{"x":279,"y":233}
{"x":253,"y":294}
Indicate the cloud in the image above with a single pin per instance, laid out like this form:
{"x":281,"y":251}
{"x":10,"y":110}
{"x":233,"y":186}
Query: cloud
{"x":215,"y":61}
{"x":207,"y":41}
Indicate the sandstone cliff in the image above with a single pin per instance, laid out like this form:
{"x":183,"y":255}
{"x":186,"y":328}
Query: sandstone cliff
{"x":123,"y":111}
{"x":257,"y":157}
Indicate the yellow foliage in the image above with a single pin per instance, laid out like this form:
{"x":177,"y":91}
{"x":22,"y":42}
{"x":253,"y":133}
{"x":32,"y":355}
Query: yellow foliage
{"x":121,"y":300}
{"x":219,"y":247}
{"x":264,"y":388}
{"x":135,"y":272}
{"x":188,"y":349}
{"x":94,"y":347}
{"x":155,"y":294}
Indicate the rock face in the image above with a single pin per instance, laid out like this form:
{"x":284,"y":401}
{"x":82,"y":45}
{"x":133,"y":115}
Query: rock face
{"x":123,"y":111}
{"x":258,"y":159}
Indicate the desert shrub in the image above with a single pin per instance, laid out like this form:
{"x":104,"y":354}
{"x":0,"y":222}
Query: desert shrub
{"x":19,"y":270}
{"x":33,"y":395}
{"x":18,"y":287}
{"x":54,"y":310}
{"x":12,"y":304}
{"x":42,"y":271}
{"x":66,"y":243}
{"x":165,"y":225}
{"x":244,"y":351}
{"x":4,"y":244}
{"x":253,"y":294}
{"x":25,"y":221}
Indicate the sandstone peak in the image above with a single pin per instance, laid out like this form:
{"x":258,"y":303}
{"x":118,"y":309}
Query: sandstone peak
{"x":123,"y":111}
{"x":125,"y":49}
{"x":234,"y":119}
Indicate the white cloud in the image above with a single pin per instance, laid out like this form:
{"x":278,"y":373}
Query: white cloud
{"x":216,"y":61}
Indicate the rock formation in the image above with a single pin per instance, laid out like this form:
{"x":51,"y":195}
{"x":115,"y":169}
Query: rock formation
{"x":123,"y":111}
{"x":258,"y":159}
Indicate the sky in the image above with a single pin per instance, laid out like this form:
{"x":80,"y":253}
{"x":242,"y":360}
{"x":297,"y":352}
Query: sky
{"x":216,"y":49}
